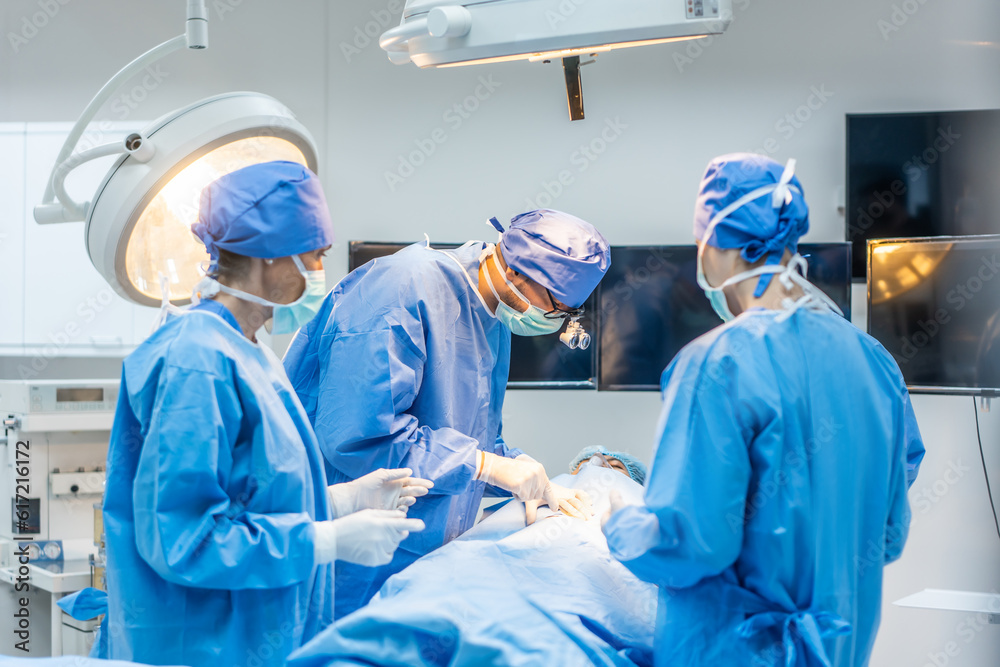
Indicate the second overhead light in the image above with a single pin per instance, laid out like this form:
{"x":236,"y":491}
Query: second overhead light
{"x":446,"y":33}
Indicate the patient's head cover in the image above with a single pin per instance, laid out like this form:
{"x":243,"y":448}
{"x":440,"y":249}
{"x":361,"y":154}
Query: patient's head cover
{"x":599,"y":456}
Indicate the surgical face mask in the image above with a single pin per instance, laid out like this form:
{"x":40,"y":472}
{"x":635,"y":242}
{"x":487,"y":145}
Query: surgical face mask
{"x":288,"y":317}
{"x":716,"y":296}
{"x":532,"y":322}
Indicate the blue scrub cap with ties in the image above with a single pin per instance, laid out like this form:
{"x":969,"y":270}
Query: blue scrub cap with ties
{"x":558,"y":251}
{"x":267,"y":210}
{"x":755,"y":204}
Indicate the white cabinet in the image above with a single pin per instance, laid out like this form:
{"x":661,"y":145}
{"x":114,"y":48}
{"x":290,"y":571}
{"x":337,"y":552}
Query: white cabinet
{"x":12,"y":140}
{"x":67,"y":302}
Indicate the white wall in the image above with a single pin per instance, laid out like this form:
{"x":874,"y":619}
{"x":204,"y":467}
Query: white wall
{"x":670,"y":119}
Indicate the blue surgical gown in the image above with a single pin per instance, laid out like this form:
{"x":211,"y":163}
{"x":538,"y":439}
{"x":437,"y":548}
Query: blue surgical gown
{"x":214,"y":482}
{"x":554,"y":597}
{"x":776,"y":494}
{"x":405,"y":367}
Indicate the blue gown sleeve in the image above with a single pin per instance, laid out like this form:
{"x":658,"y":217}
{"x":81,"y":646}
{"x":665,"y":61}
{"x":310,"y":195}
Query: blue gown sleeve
{"x":188,"y":529}
{"x":368,"y":384}
{"x":910,"y":452}
{"x":914,"y":444}
{"x":691,"y":525}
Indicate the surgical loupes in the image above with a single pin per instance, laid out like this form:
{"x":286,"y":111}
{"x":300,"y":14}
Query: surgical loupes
{"x":575,"y":337}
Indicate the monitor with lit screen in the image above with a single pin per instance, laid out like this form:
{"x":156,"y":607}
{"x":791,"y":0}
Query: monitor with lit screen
{"x":934,"y":304}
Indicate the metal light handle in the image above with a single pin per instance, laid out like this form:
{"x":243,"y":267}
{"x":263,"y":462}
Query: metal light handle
{"x":443,"y":22}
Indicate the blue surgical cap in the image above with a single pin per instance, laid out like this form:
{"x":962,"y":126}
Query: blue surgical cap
{"x":758,"y":228}
{"x":267,"y":210}
{"x":558,"y":251}
{"x":636,"y":468}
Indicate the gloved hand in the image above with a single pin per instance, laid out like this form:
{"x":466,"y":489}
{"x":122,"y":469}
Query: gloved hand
{"x":367,"y":537}
{"x":524,"y":477}
{"x":572,"y":502}
{"x":616,"y":503}
{"x":380,"y":490}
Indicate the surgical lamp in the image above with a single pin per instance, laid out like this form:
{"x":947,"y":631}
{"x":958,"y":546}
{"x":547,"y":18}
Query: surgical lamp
{"x":450,"y":33}
{"x":138,"y":226}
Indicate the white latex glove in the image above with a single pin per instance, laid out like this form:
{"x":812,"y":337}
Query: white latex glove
{"x":616,"y":503}
{"x":368,"y":537}
{"x":524,"y":477}
{"x":572,"y":502}
{"x":380,"y":490}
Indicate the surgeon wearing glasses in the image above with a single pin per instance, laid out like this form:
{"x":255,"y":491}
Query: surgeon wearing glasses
{"x":406,"y":365}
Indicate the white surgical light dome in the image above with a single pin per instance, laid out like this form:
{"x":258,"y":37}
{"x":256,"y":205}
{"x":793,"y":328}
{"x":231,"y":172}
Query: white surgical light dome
{"x":138,"y":230}
{"x":139,"y":224}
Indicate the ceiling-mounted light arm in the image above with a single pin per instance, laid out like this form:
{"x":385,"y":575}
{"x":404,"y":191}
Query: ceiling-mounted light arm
{"x":66,"y":210}
{"x":574,"y":86}
{"x":441,"y":22}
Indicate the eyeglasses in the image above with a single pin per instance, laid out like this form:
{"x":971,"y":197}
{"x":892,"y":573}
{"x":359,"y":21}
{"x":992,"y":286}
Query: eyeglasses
{"x":557,"y":312}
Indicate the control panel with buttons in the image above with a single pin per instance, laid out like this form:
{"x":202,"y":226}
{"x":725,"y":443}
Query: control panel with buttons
{"x":699,"y":9}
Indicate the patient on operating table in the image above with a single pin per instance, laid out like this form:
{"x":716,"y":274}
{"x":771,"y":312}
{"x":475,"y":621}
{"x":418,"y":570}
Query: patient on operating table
{"x":624,"y":463}
{"x":507,"y":593}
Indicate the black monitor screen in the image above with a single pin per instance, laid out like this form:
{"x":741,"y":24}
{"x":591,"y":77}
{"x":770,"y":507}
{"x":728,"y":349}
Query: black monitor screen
{"x":921,"y":174}
{"x":535,"y":361}
{"x":935,"y":306}
{"x":651,"y":307}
